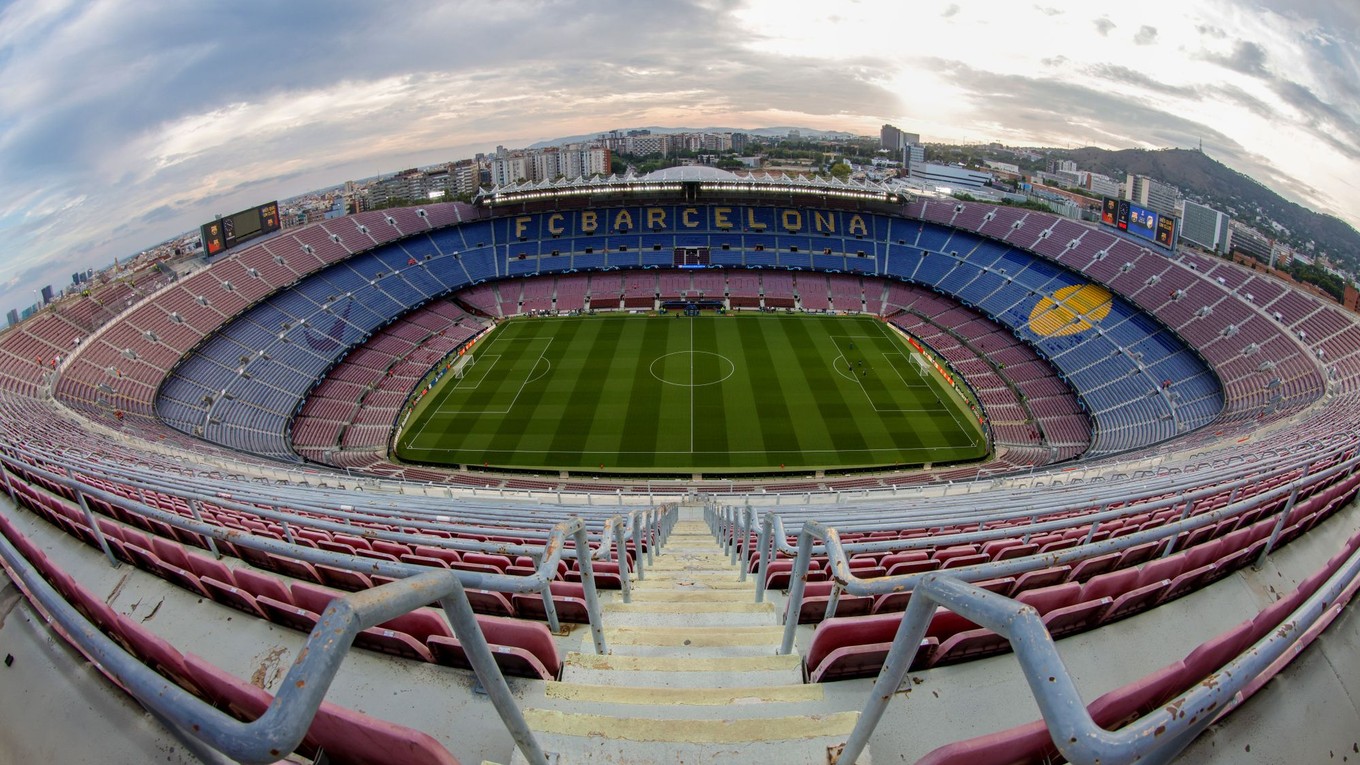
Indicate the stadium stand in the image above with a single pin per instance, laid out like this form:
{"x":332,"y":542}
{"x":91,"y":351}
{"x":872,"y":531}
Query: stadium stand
{"x":206,"y":434}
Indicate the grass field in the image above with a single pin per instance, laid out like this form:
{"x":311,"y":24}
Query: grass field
{"x":712,"y":394}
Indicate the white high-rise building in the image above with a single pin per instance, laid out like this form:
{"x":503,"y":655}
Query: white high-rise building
{"x":1206,"y":227}
{"x":546,"y":165}
{"x":1152,"y":194}
{"x":509,"y":169}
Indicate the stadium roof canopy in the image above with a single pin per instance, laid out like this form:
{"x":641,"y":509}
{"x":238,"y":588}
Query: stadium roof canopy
{"x":676,"y":179}
{"x":690,"y":173}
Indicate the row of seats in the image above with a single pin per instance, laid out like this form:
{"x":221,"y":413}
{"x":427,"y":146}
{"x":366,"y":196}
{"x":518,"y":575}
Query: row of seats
{"x":1096,"y":591}
{"x":1031,"y":744}
{"x":522,"y":647}
{"x":347,"y":737}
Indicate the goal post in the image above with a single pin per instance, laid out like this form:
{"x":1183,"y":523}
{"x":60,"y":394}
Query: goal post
{"x":463,"y":362}
{"x":919,"y":360}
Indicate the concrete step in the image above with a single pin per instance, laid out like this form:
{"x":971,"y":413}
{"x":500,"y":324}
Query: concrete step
{"x":663,"y":618}
{"x":579,"y":738}
{"x":688,"y":640}
{"x":647,"y":612}
{"x":647,"y":592}
{"x":703,"y":563}
{"x":656,"y":606}
{"x":725,"y":580}
{"x":689,"y":696}
{"x":677,"y":672}
{"x":698,"y":526}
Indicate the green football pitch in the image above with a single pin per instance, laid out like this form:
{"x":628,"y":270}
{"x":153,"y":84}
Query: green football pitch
{"x":741,"y":393}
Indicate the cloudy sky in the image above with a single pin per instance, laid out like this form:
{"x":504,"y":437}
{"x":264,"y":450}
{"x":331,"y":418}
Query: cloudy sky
{"x":126,"y":122}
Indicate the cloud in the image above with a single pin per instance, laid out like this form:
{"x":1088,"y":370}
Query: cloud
{"x":1094,"y":115}
{"x":1246,"y":58}
{"x":124,"y":124}
{"x":1126,"y":77}
{"x":131,"y":106}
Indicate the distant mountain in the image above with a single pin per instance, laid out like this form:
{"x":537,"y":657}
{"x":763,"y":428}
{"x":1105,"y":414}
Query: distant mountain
{"x":1204,"y":179}
{"x":765,"y":131}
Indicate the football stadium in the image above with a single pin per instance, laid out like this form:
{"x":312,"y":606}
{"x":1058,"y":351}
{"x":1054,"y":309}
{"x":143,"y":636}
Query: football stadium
{"x":692,"y":466}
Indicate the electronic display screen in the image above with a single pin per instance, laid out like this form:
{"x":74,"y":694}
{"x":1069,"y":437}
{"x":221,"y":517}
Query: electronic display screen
{"x":1142,"y":222}
{"x":691,"y":257}
{"x":211,"y":233}
{"x":1166,"y":231}
{"x":225,"y":233}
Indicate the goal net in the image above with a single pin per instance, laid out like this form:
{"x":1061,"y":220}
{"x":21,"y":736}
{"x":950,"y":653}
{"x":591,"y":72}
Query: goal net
{"x":462,"y":364}
{"x":919,"y":359}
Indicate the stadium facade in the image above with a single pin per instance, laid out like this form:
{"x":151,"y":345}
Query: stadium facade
{"x":199,"y":491}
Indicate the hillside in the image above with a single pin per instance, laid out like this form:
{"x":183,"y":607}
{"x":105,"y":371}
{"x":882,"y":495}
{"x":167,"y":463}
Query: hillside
{"x":1204,"y":179}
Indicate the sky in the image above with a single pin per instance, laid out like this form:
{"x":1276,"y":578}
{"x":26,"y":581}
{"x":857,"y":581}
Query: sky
{"x":126,"y":122}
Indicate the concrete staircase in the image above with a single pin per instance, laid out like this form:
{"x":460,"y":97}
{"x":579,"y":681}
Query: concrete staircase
{"x":692,"y":675}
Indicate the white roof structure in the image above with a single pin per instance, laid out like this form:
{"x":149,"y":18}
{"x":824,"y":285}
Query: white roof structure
{"x":674,"y":179}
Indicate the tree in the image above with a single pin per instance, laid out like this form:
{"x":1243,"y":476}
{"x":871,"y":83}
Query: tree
{"x":840,"y":171}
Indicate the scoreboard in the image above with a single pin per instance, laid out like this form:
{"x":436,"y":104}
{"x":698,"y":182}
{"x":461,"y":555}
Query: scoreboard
{"x":225,"y":233}
{"x":691,"y":257}
{"x":1139,"y":221}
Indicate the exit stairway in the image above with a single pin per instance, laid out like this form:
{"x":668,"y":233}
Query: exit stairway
{"x":692,"y":674}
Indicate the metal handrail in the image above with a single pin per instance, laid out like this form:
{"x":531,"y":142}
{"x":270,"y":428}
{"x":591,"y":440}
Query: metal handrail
{"x":1156,"y":737}
{"x":538,"y":582}
{"x":774,"y":538}
{"x":847,"y":581}
{"x":284,"y":724}
{"x":347,"y":512}
{"x":1059,"y":498}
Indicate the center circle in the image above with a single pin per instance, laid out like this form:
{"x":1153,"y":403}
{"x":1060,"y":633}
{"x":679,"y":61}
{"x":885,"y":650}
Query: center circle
{"x":692,"y":369}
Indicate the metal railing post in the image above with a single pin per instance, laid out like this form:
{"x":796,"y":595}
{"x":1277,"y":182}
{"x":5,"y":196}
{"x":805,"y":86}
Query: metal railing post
{"x":94,"y":528}
{"x":744,"y":552}
{"x":797,"y":580}
{"x":550,"y":609}
{"x":910,"y":632}
{"x":621,"y":554}
{"x":592,"y":598}
{"x":9,"y":487}
{"x":469,"y":633}
{"x":766,"y":524}
{"x":1277,"y":530}
{"x":196,"y":508}
{"x":651,"y":517}
{"x":637,"y":547}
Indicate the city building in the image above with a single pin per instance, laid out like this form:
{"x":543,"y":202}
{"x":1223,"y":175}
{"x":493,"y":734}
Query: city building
{"x":913,"y":155}
{"x":46,"y":294}
{"x":506,"y":170}
{"x":1250,"y":242}
{"x":467,"y":177}
{"x":645,"y":145}
{"x":1206,"y":227}
{"x":1101,"y":185}
{"x":1152,"y":194}
{"x":950,"y":175}
{"x":12,"y":317}
{"x":894,"y":140}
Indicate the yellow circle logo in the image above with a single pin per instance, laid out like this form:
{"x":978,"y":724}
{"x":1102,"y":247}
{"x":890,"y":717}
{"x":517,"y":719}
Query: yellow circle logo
{"x":1070,"y":310}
